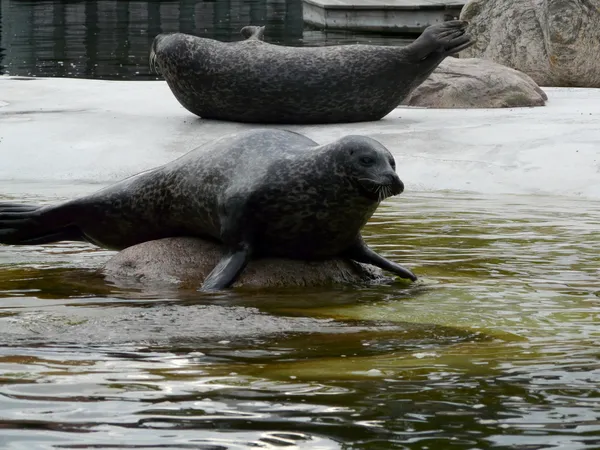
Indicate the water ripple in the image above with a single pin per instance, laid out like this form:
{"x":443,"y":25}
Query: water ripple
{"x":496,"y":346}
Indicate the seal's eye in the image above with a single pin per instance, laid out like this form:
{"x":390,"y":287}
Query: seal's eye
{"x":367,"y":160}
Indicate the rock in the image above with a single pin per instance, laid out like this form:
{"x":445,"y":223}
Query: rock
{"x":476,"y":83}
{"x":187,"y":261}
{"x":555,"y":42}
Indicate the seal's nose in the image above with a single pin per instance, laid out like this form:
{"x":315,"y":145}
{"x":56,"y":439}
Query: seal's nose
{"x":396,"y":184}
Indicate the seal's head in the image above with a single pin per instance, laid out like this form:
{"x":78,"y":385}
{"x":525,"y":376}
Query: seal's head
{"x":153,"y":53}
{"x":370,"y":167}
{"x":166,"y":47}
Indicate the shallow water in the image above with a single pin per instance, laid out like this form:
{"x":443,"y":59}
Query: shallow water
{"x":110,"y":39}
{"x":496,"y":346}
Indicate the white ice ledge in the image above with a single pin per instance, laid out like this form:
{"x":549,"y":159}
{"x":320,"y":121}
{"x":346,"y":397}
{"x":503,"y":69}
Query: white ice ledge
{"x":73,"y":130}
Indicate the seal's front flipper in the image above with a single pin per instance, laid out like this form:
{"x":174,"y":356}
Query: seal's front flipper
{"x":361,"y":253}
{"x":22,"y":224}
{"x":235,"y":236}
{"x":226,"y":271}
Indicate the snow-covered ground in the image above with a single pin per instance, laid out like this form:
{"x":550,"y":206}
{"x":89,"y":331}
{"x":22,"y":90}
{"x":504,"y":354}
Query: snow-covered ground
{"x":73,"y":132}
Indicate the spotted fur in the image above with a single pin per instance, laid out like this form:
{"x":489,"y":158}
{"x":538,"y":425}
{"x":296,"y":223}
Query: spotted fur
{"x":254,"y":81}
{"x":262,"y":192}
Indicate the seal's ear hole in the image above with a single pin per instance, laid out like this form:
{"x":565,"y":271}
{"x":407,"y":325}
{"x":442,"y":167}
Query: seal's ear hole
{"x":351,"y":152}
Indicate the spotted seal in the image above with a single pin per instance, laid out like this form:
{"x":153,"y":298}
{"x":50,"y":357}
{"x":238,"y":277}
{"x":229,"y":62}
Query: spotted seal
{"x":258,"y":82}
{"x":261,"y":193}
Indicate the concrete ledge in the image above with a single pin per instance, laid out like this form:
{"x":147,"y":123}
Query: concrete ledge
{"x":65,"y":137}
{"x":396,"y":16}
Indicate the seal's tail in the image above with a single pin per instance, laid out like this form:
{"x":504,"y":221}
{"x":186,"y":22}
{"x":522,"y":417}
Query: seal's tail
{"x":22,"y":224}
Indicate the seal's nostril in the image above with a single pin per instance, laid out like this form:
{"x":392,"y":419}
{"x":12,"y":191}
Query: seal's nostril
{"x":392,"y":178}
{"x":400,"y":186}
{"x":396,"y":183}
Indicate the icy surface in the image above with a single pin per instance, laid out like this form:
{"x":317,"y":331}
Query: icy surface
{"x":75,"y":134}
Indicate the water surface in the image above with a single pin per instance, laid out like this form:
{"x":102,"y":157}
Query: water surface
{"x":111,"y":39}
{"x":496,"y":346}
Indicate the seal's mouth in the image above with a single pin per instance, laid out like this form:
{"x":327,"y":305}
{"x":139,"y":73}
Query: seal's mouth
{"x":378,"y":191}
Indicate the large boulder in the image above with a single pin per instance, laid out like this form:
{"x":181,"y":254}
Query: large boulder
{"x":187,"y":261}
{"x":476,"y":83}
{"x":556,"y":42}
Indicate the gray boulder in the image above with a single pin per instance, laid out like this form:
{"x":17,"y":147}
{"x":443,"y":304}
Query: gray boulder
{"x":187,"y":261}
{"x":555,"y":42}
{"x":476,"y":83}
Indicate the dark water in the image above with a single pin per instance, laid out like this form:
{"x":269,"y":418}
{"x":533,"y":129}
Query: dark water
{"x":110,"y":39}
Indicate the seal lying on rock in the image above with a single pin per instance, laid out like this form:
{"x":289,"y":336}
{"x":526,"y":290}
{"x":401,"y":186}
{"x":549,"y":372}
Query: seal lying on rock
{"x":254,"y":81}
{"x":186,"y":262}
{"x":260,"y":193}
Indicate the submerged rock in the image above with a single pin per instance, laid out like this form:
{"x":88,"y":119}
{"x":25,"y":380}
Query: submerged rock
{"x":555,"y":42}
{"x":476,"y":83}
{"x":187,"y":261}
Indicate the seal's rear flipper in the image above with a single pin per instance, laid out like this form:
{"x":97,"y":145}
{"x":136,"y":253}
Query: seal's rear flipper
{"x":22,"y":224}
{"x":17,"y":207}
{"x":439,"y":41}
{"x":459,"y":43}
{"x":361,"y":253}
{"x":227,"y":271}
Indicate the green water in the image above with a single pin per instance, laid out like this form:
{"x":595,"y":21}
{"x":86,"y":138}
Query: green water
{"x":495,"y":347}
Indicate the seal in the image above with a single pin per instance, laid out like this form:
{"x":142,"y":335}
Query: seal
{"x":258,"y":82}
{"x":260,"y":193}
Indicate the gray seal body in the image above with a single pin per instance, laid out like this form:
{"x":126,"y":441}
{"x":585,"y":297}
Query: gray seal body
{"x":254,"y":81}
{"x":259,"y":193}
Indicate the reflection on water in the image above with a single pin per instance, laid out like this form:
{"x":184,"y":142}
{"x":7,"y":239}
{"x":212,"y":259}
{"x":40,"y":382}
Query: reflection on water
{"x":111,"y":38}
{"x":496,"y":347}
